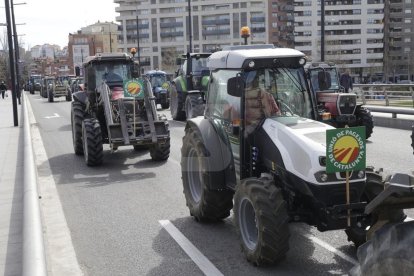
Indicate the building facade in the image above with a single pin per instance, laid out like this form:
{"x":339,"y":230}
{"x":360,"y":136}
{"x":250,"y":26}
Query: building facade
{"x":100,"y":37}
{"x":399,"y":40}
{"x":354,"y":34}
{"x":164,"y":32}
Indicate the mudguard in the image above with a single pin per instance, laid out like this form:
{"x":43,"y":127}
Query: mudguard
{"x":80,"y":96}
{"x":219,"y":157}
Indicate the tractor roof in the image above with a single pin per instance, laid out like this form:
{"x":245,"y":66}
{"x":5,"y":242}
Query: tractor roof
{"x":234,"y":58}
{"x":108,"y":57}
{"x":156,"y":72}
{"x":310,"y":65}
{"x":196,"y":55}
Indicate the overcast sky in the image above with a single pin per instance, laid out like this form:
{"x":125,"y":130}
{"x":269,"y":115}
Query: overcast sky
{"x":51,"y":21}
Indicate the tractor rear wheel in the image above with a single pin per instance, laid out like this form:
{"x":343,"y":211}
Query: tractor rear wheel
{"x":160,"y":152}
{"x":176,"y":104}
{"x":204,"y":203}
{"x":92,"y":142}
{"x":50,"y":97}
{"x":261,"y":220}
{"x":365,"y":119}
{"x":389,"y":252}
{"x":77,"y":116}
{"x":69,"y":96}
{"x":194,"y":106}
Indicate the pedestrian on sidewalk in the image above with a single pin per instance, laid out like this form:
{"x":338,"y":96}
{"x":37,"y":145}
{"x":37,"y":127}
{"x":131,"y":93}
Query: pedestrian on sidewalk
{"x":3,"y":89}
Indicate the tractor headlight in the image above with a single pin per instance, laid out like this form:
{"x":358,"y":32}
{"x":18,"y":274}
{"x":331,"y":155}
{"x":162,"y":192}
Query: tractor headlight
{"x":321,"y":176}
{"x":302,"y":61}
{"x":361,"y":174}
{"x":251,"y":64}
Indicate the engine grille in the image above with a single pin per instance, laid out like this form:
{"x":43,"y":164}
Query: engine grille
{"x":346,"y":104}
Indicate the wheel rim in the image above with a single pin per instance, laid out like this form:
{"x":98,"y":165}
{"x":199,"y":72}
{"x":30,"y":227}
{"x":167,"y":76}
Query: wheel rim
{"x":194,"y":175}
{"x":248,"y":221}
{"x":73,"y":130}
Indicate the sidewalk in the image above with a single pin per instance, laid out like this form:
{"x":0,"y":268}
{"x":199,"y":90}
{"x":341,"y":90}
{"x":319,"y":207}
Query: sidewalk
{"x":11,"y":189}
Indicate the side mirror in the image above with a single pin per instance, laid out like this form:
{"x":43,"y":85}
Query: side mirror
{"x":235,"y":86}
{"x":324,"y":80}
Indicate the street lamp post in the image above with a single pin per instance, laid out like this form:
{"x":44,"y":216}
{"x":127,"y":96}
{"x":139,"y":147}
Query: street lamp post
{"x":322,"y":30}
{"x":190,"y":28}
{"x":16,"y":50}
{"x":138,"y":49}
{"x":11,"y":61}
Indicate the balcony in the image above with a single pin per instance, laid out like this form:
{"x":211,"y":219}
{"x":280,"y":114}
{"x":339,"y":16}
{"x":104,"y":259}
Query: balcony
{"x":134,"y":36}
{"x":214,"y":22}
{"x":134,"y":27}
{"x":171,"y":24}
{"x":258,"y":29}
{"x":257,"y":19}
{"x":172,"y":34}
{"x":215,"y":32}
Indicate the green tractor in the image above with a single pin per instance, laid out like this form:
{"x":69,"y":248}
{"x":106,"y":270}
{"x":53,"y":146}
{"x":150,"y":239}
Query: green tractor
{"x":187,"y":95}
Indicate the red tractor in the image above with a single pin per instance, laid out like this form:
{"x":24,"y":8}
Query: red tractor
{"x":334,"y":106}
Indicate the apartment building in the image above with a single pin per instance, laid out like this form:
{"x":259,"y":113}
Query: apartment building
{"x":399,"y":40}
{"x":354,"y":34}
{"x":164,"y":31}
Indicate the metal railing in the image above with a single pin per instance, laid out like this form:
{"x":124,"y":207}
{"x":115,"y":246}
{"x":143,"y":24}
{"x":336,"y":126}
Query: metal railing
{"x":396,"y":95}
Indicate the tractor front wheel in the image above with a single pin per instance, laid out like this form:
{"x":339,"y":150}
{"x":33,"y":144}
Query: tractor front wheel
{"x":160,"y":152}
{"x":194,"y":106}
{"x":92,"y":142}
{"x":261,"y":220}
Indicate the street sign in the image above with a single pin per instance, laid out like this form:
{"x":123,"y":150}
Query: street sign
{"x":345,"y":149}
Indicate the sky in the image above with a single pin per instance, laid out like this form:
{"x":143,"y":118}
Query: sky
{"x":51,"y":21}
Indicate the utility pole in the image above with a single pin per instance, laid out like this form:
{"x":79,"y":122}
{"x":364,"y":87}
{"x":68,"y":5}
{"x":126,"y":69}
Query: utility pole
{"x":11,"y":60}
{"x":190,"y":26}
{"x":322,"y":30}
{"x":16,"y":52}
{"x":138,"y":49}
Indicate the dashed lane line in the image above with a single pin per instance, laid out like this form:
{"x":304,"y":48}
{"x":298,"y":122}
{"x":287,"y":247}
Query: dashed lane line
{"x":198,"y":258}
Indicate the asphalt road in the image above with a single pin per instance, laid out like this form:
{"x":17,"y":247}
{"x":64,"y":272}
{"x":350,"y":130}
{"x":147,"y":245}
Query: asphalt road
{"x":114,"y":212}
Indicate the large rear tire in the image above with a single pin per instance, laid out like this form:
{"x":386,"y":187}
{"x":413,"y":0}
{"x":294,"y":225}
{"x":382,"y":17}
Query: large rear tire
{"x":365,"y":119}
{"x":389,"y":252}
{"x":194,"y":106}
{"x":160,"y":152}
{"x":261,"y":220}
{"x":69,"y":96}
{"x":77,"y":116}
{"x":92,"y":142}
{"x":204,"y":203}
{"x":50,"y":96}
{"x":176,"y":104}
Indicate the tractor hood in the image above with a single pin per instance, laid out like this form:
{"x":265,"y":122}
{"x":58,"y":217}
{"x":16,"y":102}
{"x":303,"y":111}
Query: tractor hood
{"x":302,"y":143}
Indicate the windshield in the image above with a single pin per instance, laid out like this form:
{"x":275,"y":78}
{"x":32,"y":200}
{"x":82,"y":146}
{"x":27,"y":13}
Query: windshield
{"x":199,"y":65}
{"x":334,"y":78}
{"x":158,"y":80}
{"x":112,"y":72}
{"x":277,"y":92}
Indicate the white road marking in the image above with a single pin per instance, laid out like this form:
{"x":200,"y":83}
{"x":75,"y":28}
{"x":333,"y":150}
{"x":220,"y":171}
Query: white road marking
{"x":198,"y":258}
{"x":55,"y":115}
{"x":331,"y":248}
